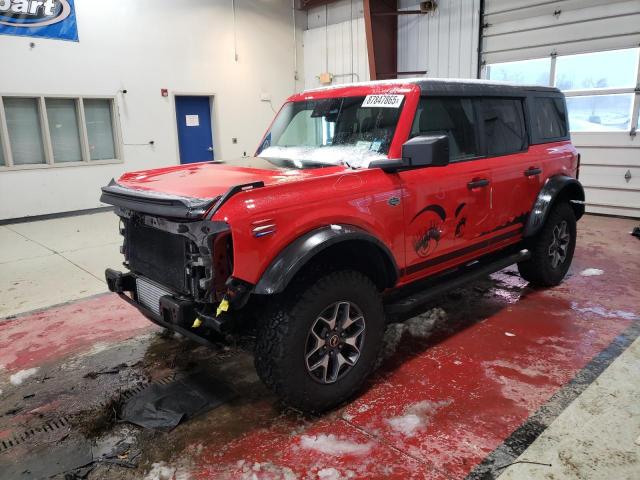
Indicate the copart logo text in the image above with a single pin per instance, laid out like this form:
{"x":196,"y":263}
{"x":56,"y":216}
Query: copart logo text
{"x":33,"y":13}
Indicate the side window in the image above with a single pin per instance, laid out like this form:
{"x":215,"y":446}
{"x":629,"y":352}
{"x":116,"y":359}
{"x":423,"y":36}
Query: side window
{"x":504,"y":130}
{"x":549,"y":118}
{"x":451,"y":116}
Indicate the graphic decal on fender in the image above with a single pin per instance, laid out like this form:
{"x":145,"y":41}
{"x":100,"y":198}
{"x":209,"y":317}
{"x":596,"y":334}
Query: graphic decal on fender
{"x":437,"y":209}
{"x":39,"y":18}
{"x":428,"y":238}
{"x":462,"y":221}
{"x":426,"y":242}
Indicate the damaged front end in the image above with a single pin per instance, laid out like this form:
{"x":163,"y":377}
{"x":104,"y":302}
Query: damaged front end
{"x":179,"y":260}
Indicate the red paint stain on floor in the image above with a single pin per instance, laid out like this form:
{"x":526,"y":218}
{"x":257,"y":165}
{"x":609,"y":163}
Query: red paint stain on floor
{"x":442,"y":410}
{"x":33,"y":339}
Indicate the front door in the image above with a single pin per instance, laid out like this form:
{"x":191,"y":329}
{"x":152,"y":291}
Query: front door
{"x":193,"y":114}
{"x":446,"y":209}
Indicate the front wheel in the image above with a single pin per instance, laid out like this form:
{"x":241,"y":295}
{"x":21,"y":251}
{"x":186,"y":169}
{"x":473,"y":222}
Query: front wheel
{"x":316,"y":350}
{"x":552,"y":249}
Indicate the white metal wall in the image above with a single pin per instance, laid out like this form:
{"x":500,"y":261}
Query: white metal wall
{"x":528,"y":29}
{"x":335,"y":42}
{"x":143,"y":46}
{"x":444,"y":43}
{"x":524,"y":29}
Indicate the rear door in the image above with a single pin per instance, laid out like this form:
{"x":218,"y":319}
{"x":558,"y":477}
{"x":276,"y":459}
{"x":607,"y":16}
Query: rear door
{"x":516,"y":172}
{"x":446,"y":208}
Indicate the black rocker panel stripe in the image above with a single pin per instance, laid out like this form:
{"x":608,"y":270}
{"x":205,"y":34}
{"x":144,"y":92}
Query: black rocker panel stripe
{"x":459,"y":253}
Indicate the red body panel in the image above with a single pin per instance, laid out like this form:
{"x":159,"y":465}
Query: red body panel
{"x":437,"y":214}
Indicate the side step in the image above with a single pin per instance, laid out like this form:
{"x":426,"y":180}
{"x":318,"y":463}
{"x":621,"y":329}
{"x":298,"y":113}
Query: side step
{"x":444,"y":282}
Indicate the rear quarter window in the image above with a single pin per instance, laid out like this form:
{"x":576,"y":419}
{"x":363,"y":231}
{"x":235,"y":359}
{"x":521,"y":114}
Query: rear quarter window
{"x":549,"y":119}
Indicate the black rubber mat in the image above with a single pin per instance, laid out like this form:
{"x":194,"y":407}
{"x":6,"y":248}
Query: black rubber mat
{"x":164,"y":406}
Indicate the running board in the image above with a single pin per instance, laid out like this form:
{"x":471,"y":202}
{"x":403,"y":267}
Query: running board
{"x":443,"y":283}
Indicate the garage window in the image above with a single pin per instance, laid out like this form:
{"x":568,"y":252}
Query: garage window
{"x":526,"y":72}
{"x":57,"y":131}
{"x":599,"y":86}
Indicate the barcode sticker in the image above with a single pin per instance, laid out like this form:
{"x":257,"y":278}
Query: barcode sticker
{"x":382,"y":101}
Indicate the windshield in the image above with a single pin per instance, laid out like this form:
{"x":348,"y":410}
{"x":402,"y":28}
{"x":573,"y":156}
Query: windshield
{"x":334,"y":131}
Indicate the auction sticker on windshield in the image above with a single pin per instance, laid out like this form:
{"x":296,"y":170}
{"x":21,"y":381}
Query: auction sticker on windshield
{"x":382,"y":101}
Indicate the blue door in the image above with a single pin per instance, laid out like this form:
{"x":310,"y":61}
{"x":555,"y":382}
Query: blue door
{"x":193,"y":115}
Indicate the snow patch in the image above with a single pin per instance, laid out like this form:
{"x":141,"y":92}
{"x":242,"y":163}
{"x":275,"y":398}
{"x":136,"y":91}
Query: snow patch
{"x":416,"y":416}
{"x":19,"y":377}
{"x":163,"y":471}
{"x":331,"y":445}
{"x":264,"y":470}
{"x":354,"y":156}
{"x":591,"y":272}
{"x":331,"y":473}
{"x":420,"y":327}
{"x":603,"y":312}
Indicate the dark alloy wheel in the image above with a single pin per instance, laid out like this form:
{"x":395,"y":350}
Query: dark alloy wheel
{"x":552,"y":249}
{"x":560,"y":244}
{"x":321,"y":342}
{"x":334,"y":342}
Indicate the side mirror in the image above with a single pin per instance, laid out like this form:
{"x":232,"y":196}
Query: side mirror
{"x":425,"y":151}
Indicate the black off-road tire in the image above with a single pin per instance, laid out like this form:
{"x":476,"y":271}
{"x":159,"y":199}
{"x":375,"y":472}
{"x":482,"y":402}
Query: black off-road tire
{"x":282,"y":339}
{"x":539,"y":270}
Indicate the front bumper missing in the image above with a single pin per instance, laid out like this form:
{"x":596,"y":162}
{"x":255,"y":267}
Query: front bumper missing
{"x":177,"y":314}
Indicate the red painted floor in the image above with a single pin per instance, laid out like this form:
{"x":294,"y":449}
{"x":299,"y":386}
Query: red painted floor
{"x":441,"y":412}
{"x":434,"y":410}
{"x":33,"y":339}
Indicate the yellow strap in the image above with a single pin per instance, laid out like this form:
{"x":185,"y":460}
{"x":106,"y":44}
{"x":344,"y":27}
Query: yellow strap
{"x":223,"y":307}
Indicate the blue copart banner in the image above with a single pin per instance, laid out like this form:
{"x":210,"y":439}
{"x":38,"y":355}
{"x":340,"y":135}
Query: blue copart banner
{"x":39,"y":18}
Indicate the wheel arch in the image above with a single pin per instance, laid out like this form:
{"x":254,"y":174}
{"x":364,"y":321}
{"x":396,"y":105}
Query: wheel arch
{"x":556,"y":188}
{"x":345,"y":244}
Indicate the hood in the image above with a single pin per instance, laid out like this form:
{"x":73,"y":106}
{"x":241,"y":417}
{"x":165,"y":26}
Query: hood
{"x":212,"y":179}
{"x":189,"y":191}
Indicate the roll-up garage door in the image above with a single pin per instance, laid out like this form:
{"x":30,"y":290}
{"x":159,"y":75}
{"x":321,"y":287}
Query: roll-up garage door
{"x":591,"y":50}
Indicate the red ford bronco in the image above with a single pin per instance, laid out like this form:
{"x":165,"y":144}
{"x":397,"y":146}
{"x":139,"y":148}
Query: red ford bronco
{"x":361,"y":203}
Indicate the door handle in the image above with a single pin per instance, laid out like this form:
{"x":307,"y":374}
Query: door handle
{"x":530,"y":172}
{"x":210,"y":149}
{"x":480,"y":183}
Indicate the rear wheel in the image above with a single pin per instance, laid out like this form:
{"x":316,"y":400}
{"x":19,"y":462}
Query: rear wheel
{"x":552,"y":249}
{"x":316,"y":350}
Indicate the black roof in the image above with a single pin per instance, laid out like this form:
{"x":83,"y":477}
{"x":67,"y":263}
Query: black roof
{"x":454,"y":86}
{"x":478,"y":87}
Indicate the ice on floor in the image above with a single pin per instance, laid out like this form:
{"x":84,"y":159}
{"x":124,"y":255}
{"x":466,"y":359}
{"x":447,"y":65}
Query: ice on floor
{"x":332,"y":445}
{"x":19,"y":377}
{"x":591,"y":272}
{"x":416,"y":416}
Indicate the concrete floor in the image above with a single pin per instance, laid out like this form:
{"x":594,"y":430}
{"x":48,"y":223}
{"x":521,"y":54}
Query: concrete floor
{"x":498,"y":380}
{"x":53,"y":261}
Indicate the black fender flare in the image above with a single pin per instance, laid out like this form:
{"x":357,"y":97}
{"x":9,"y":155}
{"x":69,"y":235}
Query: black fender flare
{"x":299,"y":252}
{"x":554,"y":187}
